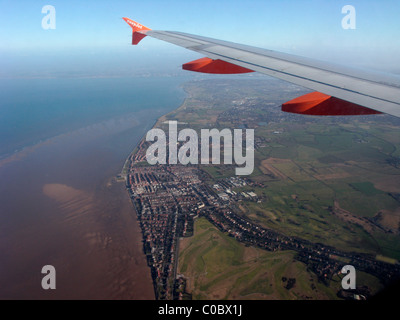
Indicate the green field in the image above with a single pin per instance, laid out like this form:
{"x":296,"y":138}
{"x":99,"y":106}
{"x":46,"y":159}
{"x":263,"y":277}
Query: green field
{"x":218,"y":267}
{"x":318,"y":166}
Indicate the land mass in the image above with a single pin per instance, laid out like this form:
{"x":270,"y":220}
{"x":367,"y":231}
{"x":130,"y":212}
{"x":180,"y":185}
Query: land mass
{"x":324,"y":193}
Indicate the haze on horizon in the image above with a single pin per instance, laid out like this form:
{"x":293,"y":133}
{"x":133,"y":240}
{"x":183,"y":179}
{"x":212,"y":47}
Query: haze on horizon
{"x":91,"y":38}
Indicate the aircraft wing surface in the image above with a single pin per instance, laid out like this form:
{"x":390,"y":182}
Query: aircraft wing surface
{"x":339,"y":90}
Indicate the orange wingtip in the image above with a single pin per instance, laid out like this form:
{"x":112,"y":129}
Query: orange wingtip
{"x":135,"y":25}
{"x":139,"y":31}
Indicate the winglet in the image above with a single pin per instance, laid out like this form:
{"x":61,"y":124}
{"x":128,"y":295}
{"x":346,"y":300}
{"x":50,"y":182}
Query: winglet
{"x":139,"y":31}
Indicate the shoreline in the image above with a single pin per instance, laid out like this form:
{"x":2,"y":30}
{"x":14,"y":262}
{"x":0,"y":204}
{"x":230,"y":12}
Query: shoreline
{"x":134,"y":150}
{"x":155,"y":123}
{"x":75,"y":215}
{"x":123,"y":177}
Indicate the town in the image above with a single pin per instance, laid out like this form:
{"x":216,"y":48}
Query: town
{"x":296,"y":200}
{"x":157,"y":152}
{"x":168,"y":198}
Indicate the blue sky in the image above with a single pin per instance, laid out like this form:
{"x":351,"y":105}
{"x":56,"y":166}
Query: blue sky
{"x":91,"y":37}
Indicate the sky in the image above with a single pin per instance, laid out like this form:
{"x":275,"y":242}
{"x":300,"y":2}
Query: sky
{"x":91,"y":38}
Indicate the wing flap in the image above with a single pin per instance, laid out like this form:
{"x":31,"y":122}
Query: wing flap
{"x":319,"y":104}
{"x":207,"y":65}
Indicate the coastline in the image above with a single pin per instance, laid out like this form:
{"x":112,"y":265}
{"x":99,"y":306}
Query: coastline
{"x":135,"y":149}
{"x":74,"y":213}
{"x":182,"y":106}
{"x":154,"y":125}
{"x":123,"y":176}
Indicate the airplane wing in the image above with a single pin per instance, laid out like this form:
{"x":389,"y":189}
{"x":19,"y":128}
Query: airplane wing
{"x":338,"y":90}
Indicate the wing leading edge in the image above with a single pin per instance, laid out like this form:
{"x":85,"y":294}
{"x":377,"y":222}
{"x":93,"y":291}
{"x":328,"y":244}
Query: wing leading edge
{"x":340,"y":91}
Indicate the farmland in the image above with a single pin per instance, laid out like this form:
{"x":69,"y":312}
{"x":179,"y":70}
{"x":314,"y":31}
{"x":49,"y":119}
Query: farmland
{"x":328,"y":180}
{"x":219,"y":267}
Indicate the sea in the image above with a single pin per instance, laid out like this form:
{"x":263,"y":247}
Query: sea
{"x":33,"y":110}
{"x":62,"y":143}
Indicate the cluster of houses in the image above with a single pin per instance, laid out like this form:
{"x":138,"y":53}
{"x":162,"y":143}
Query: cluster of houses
{"x":168,"y":197}
{"x":166,"y":200}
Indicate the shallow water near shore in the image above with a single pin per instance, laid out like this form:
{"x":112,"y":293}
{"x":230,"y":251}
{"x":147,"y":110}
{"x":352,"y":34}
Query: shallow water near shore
{"x":61,"y":205}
